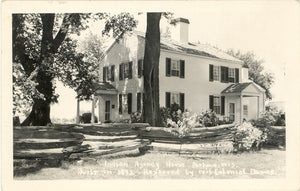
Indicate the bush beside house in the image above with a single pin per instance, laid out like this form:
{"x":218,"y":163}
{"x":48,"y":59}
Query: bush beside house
{"x":267,"y":123}
{"x":87,"y":117}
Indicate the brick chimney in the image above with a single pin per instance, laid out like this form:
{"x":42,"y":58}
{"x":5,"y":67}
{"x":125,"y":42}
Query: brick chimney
{"x":180,"y":30}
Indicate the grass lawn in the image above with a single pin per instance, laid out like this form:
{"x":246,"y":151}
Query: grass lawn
{"x":262,"y":164}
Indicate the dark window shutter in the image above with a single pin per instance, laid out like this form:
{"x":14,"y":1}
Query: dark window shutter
{"x":112,"y":70}
{"x":211,"y":72}
{"x":130,"y":70}
{"x":168,"y":99}
{"x":237,"y":76}
{"x":182,"y":102}
{"x":121,"y":72}
{"x":226,"y":74}
{"x":120,"y":104}
{"x":168,"y":66}
{"x":104,"y":74}
{"x":129,"y":102}
{"x":138,"y":101}
{"x":140,"y":68}
{"x":211,"y":102}
{"x":182,"y":68}
{"x":222,"y":105}
{"x":223,"y":70}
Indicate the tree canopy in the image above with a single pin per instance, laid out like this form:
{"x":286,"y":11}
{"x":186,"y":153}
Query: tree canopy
{"x":256,"y":70}
{"x":43,"y":49}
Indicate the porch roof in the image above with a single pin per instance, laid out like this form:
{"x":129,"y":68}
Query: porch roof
{"x":104,"y":88}
{"x":240,"y":87}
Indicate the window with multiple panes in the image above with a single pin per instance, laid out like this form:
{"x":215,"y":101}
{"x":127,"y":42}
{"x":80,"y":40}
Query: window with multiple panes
{"x":140,"y":68}
{"x":139,"y":102}
{"x":175,"y":67}
{"x":175,"y":98}
{"x":125,"y":70}
{"x":223,"y":74}
{"x":231,"y":75}
{"x":217,"y":104}
{"x":245,"y":110}
{"x":109,"y":73}
{"x":125,"y":103}
{"x":216,"y":73}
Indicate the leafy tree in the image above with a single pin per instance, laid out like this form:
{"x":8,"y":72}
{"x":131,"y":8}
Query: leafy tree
{"x":256,"y":70}
{"x":43,"y":49}
{"x":151,"y":68}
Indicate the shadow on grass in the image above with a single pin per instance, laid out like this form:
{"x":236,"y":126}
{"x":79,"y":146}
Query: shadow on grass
{"x":22,"y":167}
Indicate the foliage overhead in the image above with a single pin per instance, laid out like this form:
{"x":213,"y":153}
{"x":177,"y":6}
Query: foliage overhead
{"x":256,"y":70}
{"x":44,"y":48}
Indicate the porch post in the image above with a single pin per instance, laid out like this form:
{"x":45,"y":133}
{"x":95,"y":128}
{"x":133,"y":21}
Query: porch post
{"x":241,"y":108}
{"x":93,"y":110}
{"x":257,"y":107}
{"x":99,"y":110}
{"x":78,"y":111}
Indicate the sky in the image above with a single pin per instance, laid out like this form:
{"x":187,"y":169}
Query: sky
{"x":265,"y":28}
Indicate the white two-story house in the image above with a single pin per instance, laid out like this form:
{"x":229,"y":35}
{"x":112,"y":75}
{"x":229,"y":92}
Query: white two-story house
{"x":197,"y":77}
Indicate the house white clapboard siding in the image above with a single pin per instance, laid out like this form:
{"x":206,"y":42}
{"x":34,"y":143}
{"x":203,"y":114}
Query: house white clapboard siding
{"x":197,"y":77}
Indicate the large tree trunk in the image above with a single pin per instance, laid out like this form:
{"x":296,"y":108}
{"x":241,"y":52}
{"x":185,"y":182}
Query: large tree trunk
{"x":40,"y":113}
{"x":151,"y":70}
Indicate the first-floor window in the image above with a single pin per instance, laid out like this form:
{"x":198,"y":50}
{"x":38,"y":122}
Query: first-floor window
{"x":217,"y":105}
{"x":245,"y":110}
{"x":175,"y":98}
{"x":125,"y":103}
{"x":139,"y":103}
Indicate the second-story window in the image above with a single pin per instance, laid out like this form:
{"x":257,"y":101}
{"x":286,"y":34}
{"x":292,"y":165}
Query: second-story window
{"x":140,"y":68}
{"x":223,"y":74}
{"x":175,"y":67}
{"x":231,"y":75}
{"x":216,"y":73}
{"x":109,"y":73}
{"x":125,"y":70}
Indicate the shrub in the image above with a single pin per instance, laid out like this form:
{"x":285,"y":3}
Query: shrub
{"x":209,"y":118}
{"x":136,"y":117}
{"x":247,"y":137}
{"x":169,"y":113}
{"x":86,"y":118}
{"x":186,"y":121}
{"x":271,"y":117}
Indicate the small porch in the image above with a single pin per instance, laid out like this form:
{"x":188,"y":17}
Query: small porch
{"x":244,"y":101}
{"x":104,"y":101}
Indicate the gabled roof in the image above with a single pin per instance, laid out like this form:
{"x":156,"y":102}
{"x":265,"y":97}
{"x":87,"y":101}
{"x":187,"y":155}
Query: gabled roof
{"x":191,"y":48}
{"x":239,"y":87}
{"x":102,"y":86}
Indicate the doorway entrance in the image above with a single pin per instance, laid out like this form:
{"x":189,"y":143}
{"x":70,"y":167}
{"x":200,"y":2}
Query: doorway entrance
{"x":231,"y":111}
{"x":107,"y":110}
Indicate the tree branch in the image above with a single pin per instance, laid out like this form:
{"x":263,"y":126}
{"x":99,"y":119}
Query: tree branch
{"x":47,"y":38}
{"x":62,"y":33}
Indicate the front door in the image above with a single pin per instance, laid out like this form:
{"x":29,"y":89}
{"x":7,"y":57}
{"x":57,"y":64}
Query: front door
{"x":231,"y":111}
{"x":107,"y":110}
